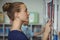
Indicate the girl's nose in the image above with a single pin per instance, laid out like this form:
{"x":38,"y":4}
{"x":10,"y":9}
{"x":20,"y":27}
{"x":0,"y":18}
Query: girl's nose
{"x":28,"y":13}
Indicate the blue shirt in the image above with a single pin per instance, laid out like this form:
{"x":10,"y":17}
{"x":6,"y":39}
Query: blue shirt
{"x":16,"y":35}
{"x":28,"y":32}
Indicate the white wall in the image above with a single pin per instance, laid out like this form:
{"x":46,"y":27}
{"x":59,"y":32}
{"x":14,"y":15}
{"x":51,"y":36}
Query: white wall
{"x":32,"y":5}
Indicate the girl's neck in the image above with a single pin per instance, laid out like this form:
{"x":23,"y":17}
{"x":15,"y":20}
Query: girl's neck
{"x":16,"y":25}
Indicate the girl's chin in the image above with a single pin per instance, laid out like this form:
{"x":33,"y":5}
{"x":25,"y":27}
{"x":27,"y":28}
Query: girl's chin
{"x":26,"y":22}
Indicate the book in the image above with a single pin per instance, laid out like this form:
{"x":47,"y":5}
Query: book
{"x":1,"y":17}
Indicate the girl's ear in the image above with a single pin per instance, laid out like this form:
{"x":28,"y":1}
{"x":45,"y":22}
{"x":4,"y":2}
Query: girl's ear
{"x":16,"y":15}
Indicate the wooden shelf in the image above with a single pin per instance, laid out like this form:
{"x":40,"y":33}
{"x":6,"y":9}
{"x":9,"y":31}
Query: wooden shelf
{"x":1,"y":25}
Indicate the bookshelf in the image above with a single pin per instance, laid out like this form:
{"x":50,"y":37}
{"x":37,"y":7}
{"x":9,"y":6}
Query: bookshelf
{"x":37,"y":28}
{"x":4,"y":30}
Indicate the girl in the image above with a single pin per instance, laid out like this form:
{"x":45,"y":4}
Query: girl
{"x":17,"y":12}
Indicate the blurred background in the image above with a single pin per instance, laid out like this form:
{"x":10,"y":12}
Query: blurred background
{"x":39,"y":15}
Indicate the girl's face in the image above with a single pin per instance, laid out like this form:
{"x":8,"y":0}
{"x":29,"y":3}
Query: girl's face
{"x":23,"y":14}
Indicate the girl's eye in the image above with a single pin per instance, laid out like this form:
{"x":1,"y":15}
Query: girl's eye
{"x":26,"y":10}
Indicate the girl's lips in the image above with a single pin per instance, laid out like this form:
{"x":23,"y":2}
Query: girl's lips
{"x":27,"y":17}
